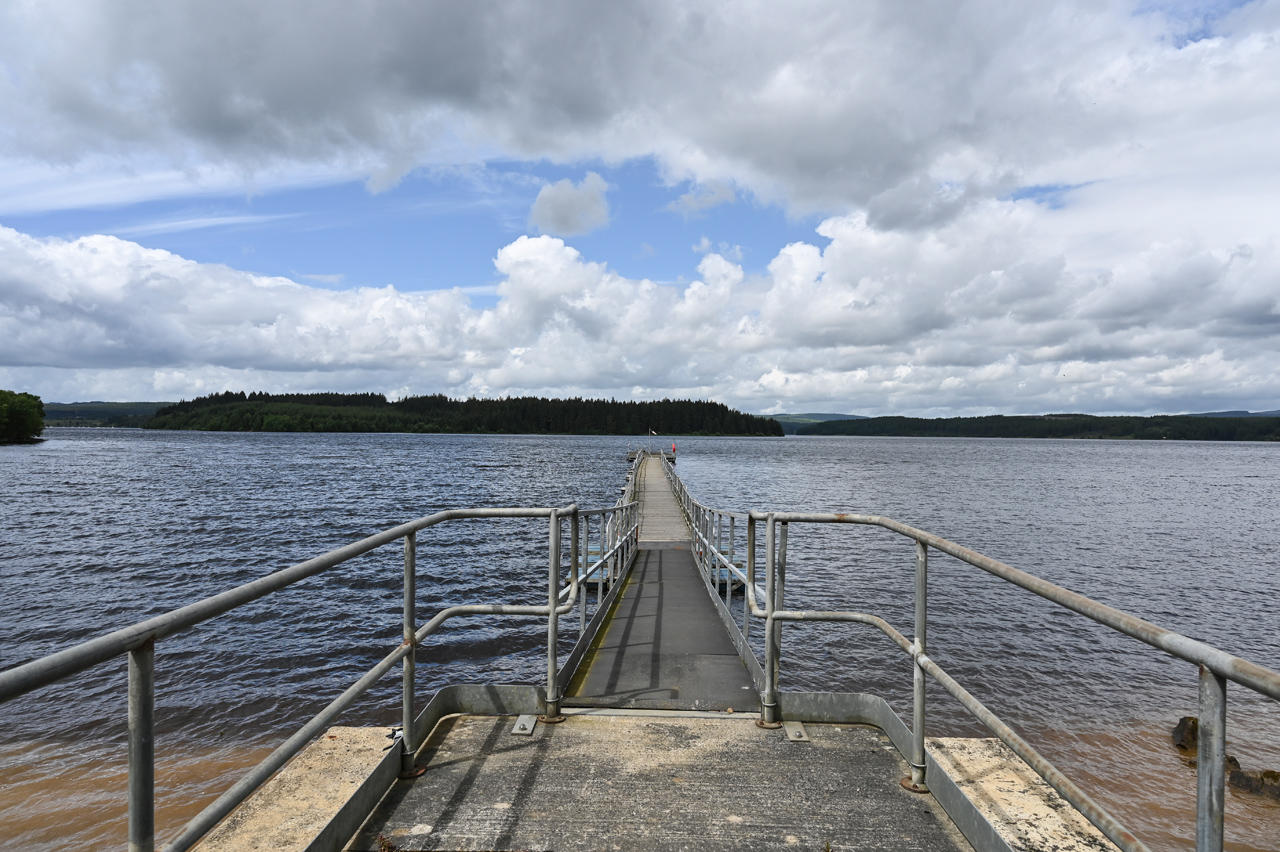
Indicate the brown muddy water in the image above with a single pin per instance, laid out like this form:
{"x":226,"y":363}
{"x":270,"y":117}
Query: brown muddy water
{"x":101,"y":528}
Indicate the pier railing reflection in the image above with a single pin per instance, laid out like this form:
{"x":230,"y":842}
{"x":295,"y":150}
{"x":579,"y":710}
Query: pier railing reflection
{"x":714,"y":536}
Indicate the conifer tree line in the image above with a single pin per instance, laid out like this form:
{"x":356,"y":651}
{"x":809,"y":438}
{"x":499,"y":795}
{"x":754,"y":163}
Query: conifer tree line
{"x":237,"y":411}
{"x":1183,"y":427}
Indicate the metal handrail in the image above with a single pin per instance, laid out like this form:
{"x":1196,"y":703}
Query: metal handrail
{"x":1215,"y":666}
{"x":618,"y":527}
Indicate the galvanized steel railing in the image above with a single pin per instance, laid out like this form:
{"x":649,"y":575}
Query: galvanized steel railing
{"x":1216,"y":667}
{"x":616,"y":528}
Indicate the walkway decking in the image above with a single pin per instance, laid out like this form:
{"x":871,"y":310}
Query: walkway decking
{"x":664,"y":646}
{"x":639,"y":765}
{"x":662,"y":524}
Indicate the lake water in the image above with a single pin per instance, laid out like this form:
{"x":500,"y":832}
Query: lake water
{"x":101,"y":528}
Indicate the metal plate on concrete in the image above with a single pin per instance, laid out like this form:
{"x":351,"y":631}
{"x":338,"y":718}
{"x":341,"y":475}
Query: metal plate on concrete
{"x":795,"y":732}
{"x":524,"y":725}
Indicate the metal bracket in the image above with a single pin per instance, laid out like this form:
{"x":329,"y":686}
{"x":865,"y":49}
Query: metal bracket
{"x":524,"y":725}
{"x":795,"y":732}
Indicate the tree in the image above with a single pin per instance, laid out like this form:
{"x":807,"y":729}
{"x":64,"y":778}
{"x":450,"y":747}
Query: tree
{"x":21,"y":417}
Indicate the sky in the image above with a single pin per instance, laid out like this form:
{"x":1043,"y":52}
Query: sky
{"x":928,"y":208}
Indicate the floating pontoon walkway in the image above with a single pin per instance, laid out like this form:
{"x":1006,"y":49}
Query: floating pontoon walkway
{"x":637,"y":766}
{"x":664,"y":646}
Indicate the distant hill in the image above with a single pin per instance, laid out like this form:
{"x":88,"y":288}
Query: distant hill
{"x":791,"y":423}
{"x":1183,"y":427}
{"x":371,"y":412}
{"x":1237,"y":414}
{"x":100,"y":413}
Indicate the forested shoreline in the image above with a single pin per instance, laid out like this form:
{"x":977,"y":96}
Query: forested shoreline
{"x":368,"y":412}
{"x":1183,"y":427}
{"x":21,"y":417}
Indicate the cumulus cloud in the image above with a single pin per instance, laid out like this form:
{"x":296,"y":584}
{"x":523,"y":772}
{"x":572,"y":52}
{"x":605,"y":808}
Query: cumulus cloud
{"x":972,"y":319}
{"x":702,"y":198}
{"x":826,"y":108}
{"x":1025,"y":207}
{"x":569,"y":209}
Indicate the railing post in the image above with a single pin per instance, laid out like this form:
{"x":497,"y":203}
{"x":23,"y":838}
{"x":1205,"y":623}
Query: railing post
{"x":1210,"y":761}
{"x":781,"y":565}
{"x":748,"y":593}
{"x":769,"y":714}
{"x":732,"y":522}
{"x":600,"y":573}
{"x":408,"y":748}
{"x":552,"y":711}
{"x":916,"y":781}
{"x":577,"y":569}
{"x":611,"y":537}
{"x":142,"y":747}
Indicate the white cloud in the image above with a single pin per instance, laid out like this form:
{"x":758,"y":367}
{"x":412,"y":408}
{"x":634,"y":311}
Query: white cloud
{"x":971,"y":319}
{"x":196,"y":223}
{"x":1152,"y":285}
{"x":702,"y":198}
{"x":705,"y":246}
{"x":827,"y":108}
{"x":568,"y":209}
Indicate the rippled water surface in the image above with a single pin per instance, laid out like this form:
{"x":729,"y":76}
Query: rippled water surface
{"x":100,"y":528}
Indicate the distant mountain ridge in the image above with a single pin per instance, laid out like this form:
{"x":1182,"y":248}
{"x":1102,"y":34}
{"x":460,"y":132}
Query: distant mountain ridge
{"x":1275,"y":413}
{"x":1185,"y":427}
{"x":99,"y":413}
{"x":791,"y":423}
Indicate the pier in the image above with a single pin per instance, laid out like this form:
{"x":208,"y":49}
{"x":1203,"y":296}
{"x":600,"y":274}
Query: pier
{"x":658,"y":743}
{"x":661,"y":728}
{"x":663,"y":647}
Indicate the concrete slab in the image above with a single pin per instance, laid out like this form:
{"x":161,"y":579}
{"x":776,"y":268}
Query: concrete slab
{"x":1019,"y":805}
{"x":656,"y":782}
{"x":294,"y":809}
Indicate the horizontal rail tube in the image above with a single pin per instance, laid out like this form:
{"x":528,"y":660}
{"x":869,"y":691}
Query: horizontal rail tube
{"x":1078,"y":798}
{"x":242,"y":789}
{"x":1243,"y":672}
{"x":37,"y":673}
{"x":252,"y":780}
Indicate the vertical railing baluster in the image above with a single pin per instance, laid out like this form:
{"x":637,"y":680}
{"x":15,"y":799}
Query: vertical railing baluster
{"x":779,"y":584}
{"x":599,"y":574}
{"x":577,"y":573}
{"x":552,"y":711}
{"x":142,"y":747}
{"x":748,"y":592}
{"x":916,"y":781}
{"x":408,"y":745}
{"x":733,"y":521}
{"x":769,"y":715}
{"x":1211,"y":761}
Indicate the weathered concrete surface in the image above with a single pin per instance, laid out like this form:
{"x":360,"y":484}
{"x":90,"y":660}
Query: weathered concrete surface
{"x":664,"y":647}
{"x":1027,"y":812}
{"x":298,"y":802}
{"x":656,"y":782}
